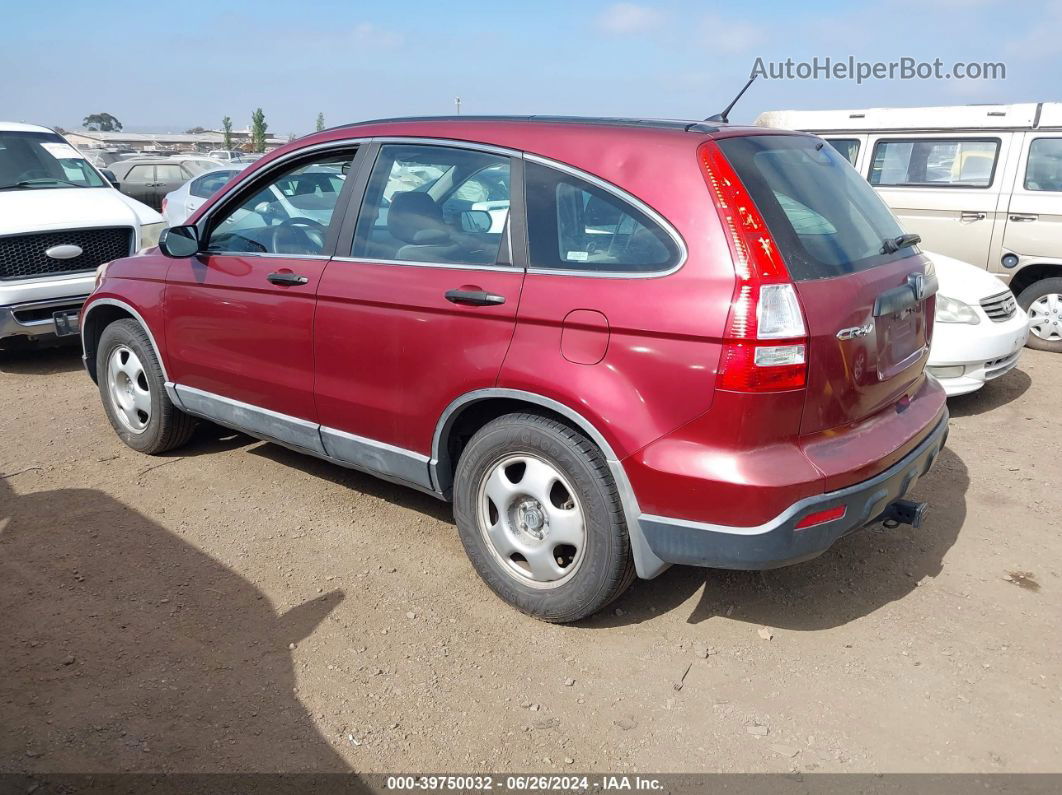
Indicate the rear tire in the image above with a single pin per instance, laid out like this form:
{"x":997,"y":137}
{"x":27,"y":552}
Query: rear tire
{"x":1043,"y":301}
{"x":540,"y":518}
{"x":133,"y":391}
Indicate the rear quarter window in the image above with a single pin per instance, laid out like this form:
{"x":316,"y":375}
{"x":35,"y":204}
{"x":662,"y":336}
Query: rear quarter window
{"x":826,"y":220}
{"x":574,"y":224}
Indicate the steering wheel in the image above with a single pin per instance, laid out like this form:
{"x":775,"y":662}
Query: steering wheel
{"x":308,"y":229}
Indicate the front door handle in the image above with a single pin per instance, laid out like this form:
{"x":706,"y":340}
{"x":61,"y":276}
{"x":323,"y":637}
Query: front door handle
{"x":287,"y":278}
{"x":1020,"y":217}
{"x":474,"y":297}
{"x":970,"y":215}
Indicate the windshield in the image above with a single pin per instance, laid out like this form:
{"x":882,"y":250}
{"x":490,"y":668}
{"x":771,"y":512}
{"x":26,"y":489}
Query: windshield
{"x":826,"y":219}
{"x":43,"y":160}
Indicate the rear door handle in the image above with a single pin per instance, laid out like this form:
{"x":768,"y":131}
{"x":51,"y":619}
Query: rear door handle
{"x":1023,"y":217}
{"x":287,"y":278}
{"x":474,"y":297}
{"x":970,"y":215}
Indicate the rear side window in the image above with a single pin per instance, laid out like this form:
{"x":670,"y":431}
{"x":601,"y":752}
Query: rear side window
{"x":573,"y":224}
{"x":935,"y":162}
{"x":207,"y":185}
{"x":848,"y":147}
{"x":1044,"y":170}
{"x":826,"y":220}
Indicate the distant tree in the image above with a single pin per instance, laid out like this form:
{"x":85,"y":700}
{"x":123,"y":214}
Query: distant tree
{"x":258,"y":131}
{"x":226,"y":128}
{"x":196,"y":131}
{"x":291,"y":137}
{"x":59,"y":130}
{"x":320,"y":122}
{"x":103,"y":122}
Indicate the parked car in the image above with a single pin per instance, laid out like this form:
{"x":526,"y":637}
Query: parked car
{"x":982,"y":183}
{"x":149,"y":179}
{"x":59,"y":219}
{"x":980,"y":329}
{"x":179,"y":204}
{"x":225,"y":155}
{"x":310,"y":194}
{"x":690,"y":344}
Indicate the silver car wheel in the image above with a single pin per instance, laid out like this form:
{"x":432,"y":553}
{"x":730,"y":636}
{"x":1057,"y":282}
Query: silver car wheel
{"x":1045,"y":317}
{"x":532,"y":521}
{"x":127,"y":386}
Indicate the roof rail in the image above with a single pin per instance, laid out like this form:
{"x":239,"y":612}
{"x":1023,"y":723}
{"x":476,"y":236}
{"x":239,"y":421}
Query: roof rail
{"x":660,"y":124}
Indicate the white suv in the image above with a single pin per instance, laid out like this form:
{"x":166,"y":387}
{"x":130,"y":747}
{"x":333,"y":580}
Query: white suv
{"x":59,"y":220}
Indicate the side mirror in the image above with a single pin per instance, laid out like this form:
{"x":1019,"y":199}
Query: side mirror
{"x":109,"y":176}
{"x":475,"y":221}
{"x":179,"y":242}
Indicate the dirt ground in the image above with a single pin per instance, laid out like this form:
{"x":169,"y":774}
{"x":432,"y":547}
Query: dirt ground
{"x":239,"y":607}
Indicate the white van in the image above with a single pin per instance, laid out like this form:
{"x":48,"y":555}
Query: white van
{"x":981,"y":183}
{"x":59,"y":220}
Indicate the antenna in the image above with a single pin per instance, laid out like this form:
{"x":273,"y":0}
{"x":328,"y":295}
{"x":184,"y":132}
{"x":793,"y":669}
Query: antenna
{"x":457,"y":101}
{"x":724,"y":116}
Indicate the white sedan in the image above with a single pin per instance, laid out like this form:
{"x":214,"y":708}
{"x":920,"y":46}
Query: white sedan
{"x":980,"y":330}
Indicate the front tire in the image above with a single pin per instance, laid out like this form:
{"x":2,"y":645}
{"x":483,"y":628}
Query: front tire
{"x":133,"y":391}
{"x":540,"y":518}
{"x":1043,"y":301}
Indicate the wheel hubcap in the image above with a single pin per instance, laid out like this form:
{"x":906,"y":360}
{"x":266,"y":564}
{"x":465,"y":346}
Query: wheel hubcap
{"x":1045,"y":317}
{"x":127,"y":386}
{"x":531,"y":520}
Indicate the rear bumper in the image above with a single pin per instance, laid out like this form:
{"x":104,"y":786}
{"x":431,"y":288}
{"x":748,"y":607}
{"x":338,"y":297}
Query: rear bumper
{"x":778,"y":542}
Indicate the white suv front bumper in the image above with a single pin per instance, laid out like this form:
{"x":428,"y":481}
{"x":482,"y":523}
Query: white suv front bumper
{"x":27,"y":306}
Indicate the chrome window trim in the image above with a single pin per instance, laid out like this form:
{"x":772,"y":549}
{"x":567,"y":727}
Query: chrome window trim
{"x":625,"y":197}
{"x":452,"y":143}
{"x":445,"y":265}
{"x":136,"y":315}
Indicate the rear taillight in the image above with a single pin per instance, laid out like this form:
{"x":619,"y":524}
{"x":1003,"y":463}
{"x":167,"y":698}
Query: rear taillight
{"x":765,"y":340}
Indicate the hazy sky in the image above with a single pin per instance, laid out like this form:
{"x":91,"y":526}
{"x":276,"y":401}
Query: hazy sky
{"x":167,"y":66}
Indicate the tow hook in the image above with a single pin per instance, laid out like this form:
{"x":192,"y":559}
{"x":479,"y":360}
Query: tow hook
{"x":905,"y":512}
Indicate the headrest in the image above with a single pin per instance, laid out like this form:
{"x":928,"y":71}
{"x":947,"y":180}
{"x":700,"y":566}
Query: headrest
{"x":412,"y":213}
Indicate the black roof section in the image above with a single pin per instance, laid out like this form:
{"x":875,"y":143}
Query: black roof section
{"x":657,"y":124}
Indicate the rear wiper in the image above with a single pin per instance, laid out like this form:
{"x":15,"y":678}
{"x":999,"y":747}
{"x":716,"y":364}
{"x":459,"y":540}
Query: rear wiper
{"x":893,"y":244}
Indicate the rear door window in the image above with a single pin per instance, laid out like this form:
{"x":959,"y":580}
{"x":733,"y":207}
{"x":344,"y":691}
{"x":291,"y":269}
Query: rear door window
{"x":826,"y":220}
{"x":435,"y":204}
{"x":934,"y":162}
{"x":574,"y":224}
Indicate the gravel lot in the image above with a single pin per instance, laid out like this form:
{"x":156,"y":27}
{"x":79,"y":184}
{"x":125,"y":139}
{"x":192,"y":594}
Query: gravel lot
{"x":239,"y":607}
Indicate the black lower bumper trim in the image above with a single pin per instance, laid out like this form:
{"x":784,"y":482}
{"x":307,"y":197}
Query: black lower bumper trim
{"x":780,"y":543}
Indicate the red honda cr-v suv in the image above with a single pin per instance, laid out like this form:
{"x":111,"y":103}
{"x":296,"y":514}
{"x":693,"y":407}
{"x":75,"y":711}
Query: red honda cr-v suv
{"x":614,"y":344}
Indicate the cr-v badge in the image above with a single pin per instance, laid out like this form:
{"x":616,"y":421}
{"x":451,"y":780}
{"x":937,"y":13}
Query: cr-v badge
{"x":855,"y":331}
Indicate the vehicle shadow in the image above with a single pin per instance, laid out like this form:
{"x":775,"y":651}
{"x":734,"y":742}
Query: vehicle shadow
{"x":403,"y":496}
{"x":47,"y":358}
{"x":126,"y":649}
{"x":862,"y":573}
{"x":991,"y":396}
